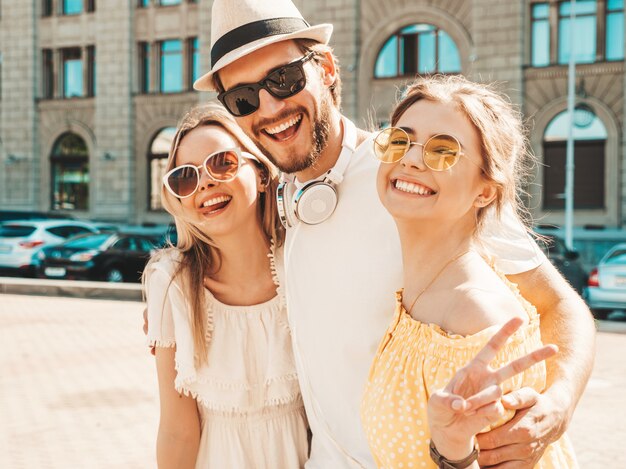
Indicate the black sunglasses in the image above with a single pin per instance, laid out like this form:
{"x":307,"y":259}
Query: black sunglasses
{"x":282,"y":82}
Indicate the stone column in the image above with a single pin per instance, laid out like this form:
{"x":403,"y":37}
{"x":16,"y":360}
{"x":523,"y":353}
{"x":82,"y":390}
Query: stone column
{"x":114,"y":187}
{"x":498,"y":33}
{"x":18,"y":110}
{"x":204,"y":43}
{"x":345,"y":17}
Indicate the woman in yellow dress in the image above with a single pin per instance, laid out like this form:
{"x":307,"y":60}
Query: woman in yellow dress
{"x":451,"y":166}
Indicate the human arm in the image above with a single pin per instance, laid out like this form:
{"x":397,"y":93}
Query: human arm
{"x":471,"y":399}
{"x":542,"y":418}
{"x":179,"y":425}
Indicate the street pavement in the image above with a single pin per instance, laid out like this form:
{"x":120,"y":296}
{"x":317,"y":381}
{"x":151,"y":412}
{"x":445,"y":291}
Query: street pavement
{"x":78,"y":388}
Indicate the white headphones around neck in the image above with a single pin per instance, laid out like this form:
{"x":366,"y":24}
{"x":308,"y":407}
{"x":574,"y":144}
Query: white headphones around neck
{"x":316,"y":201}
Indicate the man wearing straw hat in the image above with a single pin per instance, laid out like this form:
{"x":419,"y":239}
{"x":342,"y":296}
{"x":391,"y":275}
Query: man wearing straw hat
{"x":276,"y":74}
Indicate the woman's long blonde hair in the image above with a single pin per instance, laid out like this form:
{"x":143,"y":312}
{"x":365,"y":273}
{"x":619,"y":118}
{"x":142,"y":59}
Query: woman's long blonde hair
{"x":196,"y":254}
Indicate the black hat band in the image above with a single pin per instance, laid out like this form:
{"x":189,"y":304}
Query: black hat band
{"x":252,"y":32}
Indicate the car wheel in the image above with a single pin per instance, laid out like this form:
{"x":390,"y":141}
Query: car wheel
{"x":600,"y":313}
{"x":114,"y":275}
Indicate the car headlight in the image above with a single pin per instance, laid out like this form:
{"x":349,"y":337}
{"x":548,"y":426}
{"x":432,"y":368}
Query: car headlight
{"x":83,"y":256}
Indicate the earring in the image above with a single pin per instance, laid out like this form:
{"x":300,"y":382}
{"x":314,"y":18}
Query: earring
{"x":480,"y":201}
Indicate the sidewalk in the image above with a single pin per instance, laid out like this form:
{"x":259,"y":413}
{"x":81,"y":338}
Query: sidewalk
{"x":78,"y":388}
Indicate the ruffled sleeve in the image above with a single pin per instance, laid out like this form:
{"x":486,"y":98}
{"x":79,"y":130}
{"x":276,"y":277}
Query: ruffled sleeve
{"x":168,"y":318}
{"x":159,"y":296}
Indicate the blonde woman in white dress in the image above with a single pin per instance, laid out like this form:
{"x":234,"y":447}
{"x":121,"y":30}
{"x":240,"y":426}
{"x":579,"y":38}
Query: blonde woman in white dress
{"x":229,"y":394}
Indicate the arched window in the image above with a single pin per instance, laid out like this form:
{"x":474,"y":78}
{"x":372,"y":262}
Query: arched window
{"x":417,"y":49}
{"x":589,"y":160}
{"x":69,"y":163}
{"x":157,"y":161}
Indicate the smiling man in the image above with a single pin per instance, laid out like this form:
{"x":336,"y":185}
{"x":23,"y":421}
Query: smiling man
{"x":276,"y":74}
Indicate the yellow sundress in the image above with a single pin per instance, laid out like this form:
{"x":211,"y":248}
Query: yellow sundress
{"x":415,"y":359}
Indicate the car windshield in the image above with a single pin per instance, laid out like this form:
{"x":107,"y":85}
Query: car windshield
{"x":617,"y":257}
{"x":16,"y":231}
{"x":88,"y":242}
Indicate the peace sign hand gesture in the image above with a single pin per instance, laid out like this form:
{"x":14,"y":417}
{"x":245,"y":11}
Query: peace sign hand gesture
{"x":471,"y":400}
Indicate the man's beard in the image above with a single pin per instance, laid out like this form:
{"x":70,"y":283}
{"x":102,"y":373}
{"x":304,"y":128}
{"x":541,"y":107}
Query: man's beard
{"x":319,"y":136}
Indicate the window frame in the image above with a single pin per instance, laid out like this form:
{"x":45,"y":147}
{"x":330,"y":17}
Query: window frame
{"x":533,"y":22}
{"x":608,"y":13}
{"x":47,"y":8}
{"x":602,"y":14}
{"x":193,"y":61}
{"x":162,"y":56}
{"x":154,"y":200}
{"x":144,"y":59}
{"x":47,"y":82}
{"x":589,"y":139}
{"x":91,"y":71}
{"x":401,"y":36}
{"x":64,"y":11}
{"x":67,"y":54}
{"x":59,"y":160}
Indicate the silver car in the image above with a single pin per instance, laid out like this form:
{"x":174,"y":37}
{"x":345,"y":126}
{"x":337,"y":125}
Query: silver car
{"x":606,"y":286}
{"x":20,"y":241}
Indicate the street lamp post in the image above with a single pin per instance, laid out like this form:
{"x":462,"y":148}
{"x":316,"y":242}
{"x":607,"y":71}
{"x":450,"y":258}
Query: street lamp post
{"x":569,"y":152}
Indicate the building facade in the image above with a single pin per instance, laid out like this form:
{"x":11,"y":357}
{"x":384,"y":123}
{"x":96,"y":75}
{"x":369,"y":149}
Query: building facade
{"x":90,"y":91}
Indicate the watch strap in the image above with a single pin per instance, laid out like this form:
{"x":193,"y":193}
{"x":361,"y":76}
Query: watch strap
{"x":445,"y":463}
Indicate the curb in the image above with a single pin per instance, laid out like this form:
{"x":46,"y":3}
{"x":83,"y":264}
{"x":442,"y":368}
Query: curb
{"x":71,"y":288}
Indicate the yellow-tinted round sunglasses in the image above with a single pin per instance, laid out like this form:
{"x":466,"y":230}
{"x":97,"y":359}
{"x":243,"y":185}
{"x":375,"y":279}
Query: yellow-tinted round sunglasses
{"x":441,"y":151}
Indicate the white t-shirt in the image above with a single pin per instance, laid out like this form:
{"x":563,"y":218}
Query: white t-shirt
{"x":341,"y":276}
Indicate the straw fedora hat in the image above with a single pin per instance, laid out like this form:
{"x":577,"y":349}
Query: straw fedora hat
{"x":239,"y":27}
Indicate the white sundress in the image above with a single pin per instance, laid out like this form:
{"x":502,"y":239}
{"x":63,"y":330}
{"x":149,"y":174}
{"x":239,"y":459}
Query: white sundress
{"x":249,"y":401}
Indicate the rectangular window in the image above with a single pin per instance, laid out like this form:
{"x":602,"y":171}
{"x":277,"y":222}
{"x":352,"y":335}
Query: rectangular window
{"x":91,"y":71}
{"x":91,"y":6}
{"x":143,"y":3}
{"x":540,"y":35}
{"x":171,"y":69}
{"x":47,"y":67}
{"x":584,"y":28}
{"x":615,"y":30}
{"x":46,"y":8}
{"x":165,"y":3}
{"x":144,"y":67}
{"x":194,"y":68}
{"x":72,"y":7}
{"x":72,"y":73}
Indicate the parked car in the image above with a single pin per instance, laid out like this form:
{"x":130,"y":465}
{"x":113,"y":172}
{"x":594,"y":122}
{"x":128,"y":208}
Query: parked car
{"x":566,"y":261}
{"x":21,"y":240}
{"x":110,"y":257}
{"x":606,"y":288}
{"x":13,"y":215}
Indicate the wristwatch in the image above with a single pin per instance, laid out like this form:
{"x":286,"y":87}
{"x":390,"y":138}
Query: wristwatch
{"x":444,"y":463}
